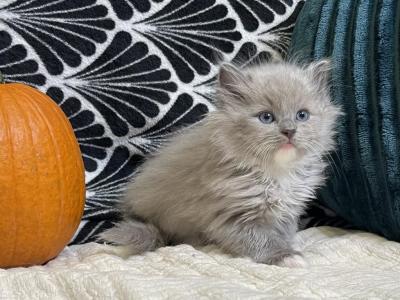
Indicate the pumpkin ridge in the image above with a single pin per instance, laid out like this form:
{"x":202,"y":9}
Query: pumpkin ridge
{"x":27,"y":121}
{"x":70,"y":134}
{"x":60,"y":171}
{"x":9,"y":147}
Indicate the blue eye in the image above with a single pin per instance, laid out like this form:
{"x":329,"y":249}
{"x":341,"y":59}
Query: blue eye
{"x":302,"y":115}
{"x":266,"y":117}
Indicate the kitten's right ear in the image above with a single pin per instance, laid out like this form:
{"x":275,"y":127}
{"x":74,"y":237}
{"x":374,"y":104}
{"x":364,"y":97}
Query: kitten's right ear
{"x":231,"y":82}
{"x":320,"y":71}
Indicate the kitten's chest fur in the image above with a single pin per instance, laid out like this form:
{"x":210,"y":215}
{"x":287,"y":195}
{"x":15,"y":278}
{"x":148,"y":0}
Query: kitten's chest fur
{"x":248,"y":195}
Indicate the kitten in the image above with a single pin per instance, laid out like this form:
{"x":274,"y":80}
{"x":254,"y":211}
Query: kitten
{"x":242,"y":176}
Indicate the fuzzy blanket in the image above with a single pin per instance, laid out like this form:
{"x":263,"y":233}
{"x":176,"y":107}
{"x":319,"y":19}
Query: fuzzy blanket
{"x":342,"y":264}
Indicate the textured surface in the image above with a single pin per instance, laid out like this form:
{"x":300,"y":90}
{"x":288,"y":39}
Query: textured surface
{"x":127,"y":73}
{"x":362,"y":37}
{"x":42,"y":179}
{"x":341,"y":265}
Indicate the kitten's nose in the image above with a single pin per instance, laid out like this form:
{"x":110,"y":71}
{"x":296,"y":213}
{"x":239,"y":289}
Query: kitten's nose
{"x":288,"y":132}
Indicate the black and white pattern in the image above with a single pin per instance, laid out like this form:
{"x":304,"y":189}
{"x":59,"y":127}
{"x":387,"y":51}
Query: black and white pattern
{"x":128,"y":73}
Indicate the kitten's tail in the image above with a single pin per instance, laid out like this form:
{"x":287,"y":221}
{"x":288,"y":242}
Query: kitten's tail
{"x":133,"y":237}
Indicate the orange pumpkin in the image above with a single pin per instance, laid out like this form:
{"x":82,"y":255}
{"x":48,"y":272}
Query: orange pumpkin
{"x":42,"y":186}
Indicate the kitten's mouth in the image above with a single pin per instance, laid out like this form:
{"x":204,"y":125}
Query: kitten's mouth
{"x":287,"y":146}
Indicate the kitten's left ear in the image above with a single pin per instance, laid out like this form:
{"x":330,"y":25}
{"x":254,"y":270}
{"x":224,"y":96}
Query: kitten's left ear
{"x":320,"y":71}
{"x":231,"y":82}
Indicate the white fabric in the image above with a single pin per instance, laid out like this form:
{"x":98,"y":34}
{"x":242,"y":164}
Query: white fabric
{"x":342,"y":264}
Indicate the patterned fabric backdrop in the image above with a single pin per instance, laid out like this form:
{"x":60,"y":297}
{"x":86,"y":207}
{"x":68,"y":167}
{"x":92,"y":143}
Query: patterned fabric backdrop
{"x":127,"y":73}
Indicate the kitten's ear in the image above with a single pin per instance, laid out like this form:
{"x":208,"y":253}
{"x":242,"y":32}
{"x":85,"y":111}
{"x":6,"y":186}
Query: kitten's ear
{"x":231,"y":82}
{"x":320,"y":71}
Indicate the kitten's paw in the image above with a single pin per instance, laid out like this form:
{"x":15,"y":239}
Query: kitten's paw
{"x":292,"y":261}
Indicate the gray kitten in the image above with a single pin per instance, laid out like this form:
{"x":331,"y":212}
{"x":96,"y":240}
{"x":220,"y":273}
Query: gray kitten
{"x":242,"y":176}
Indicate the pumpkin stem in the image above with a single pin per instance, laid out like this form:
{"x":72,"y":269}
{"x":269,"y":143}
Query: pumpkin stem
{"x":2,"y":79}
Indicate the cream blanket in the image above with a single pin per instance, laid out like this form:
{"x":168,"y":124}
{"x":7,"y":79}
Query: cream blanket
{"x":342,"y":264}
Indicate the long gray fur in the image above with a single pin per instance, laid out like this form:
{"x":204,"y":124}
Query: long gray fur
{"x":227,"y":180}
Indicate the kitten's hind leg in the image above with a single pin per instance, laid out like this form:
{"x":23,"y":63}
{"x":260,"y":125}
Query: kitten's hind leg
{"x":133,"y":237}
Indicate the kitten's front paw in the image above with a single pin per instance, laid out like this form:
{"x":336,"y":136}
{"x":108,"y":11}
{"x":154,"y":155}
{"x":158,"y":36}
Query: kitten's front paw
{"x":292,"y":261}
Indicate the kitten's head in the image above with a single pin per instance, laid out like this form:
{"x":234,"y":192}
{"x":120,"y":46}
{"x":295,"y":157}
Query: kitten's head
{"x":276,"y":114}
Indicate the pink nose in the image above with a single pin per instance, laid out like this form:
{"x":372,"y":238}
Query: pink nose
{"x":288,"y":132}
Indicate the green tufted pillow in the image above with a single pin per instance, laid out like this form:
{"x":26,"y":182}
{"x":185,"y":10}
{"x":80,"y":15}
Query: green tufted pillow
{"x":362,"y":38}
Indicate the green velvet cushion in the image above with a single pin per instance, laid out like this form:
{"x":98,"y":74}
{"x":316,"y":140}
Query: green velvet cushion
{"x":362,"y":38}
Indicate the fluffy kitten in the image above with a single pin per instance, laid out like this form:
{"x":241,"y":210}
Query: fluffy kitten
{"x":241,"y":177}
